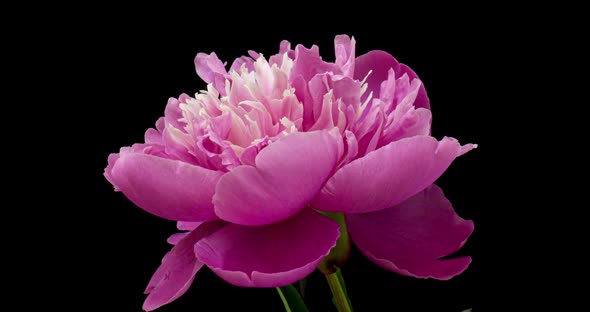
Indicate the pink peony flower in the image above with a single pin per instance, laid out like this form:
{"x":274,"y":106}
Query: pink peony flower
{"x":246,"y":166}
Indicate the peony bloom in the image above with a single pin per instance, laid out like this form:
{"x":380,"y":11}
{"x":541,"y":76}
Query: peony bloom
{"x":247,"y":166}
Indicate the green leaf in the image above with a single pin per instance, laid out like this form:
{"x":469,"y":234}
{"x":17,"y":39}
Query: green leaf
{"x":291,"y":299}
{"x":302,"y":284}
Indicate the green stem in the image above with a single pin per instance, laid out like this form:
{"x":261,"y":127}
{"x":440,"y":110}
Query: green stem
{"x":340,"y":253}
{"x":284,"y":300}
{"x":337,"y":287}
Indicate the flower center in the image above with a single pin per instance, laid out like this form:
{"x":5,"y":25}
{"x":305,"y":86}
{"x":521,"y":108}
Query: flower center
{"x":259,"y":108}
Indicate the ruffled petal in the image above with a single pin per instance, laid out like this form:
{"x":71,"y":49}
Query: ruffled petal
{"x":422,"y":100}
{"x":389,"y":175}
{"x":379,"y":63}
{"x":212,"y":71}
{"x":411,"y":237}
{"x":309,"y":63}
{"x":271,"y":255}
{"x":344,"y":48}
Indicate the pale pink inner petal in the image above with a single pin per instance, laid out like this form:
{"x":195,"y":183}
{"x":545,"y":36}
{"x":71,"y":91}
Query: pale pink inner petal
{"x":213,"y":130}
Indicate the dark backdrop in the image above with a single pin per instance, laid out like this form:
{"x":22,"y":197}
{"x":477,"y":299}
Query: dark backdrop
{"x":127,"y":71}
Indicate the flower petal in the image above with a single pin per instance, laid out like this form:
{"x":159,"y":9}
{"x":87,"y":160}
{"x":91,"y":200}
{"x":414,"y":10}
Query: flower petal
{"x":288,"y":174}
{"x":344,"y":49}
{"x":309,"y":63}
{"x":187,"y":226}
{"x":178,"y":269}
{"x":211,"y":70}
{"x":411,"y":237}
{"x":272,"y":255}
{"x":237,"y":64}
{"x":168,"y":188}
{"x":422,"y":100}
{"x":175,"y":238}
{"x":173,"y":113}
{"x":379,"y":63}
{"x":389,"y":175}
{"x":111,"y":161}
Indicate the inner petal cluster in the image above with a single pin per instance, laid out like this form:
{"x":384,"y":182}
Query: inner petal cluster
{"x":224,"y":131}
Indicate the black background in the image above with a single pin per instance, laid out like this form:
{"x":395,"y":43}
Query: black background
{"x":125,"y":70}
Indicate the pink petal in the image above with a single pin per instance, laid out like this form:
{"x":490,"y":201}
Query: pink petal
{"x":344,"y":49}
{"x":346,"y":89}
{"x":271,"y":255}
{"x":379,"y":62}
{"x":309,"y":63}
{"x":183,"y":226}
{"x":187,"y":226}
{"x":328,"y":97}
{"x":178,"y":269}
{"x":173,"y":113}
{"x":211,"y":70}
{"x":237,"y":64}
{"x":411,"y":237}
{"x":285,"y":47}
{"x":288,"y":174}
{"x":153,"y":136}
{"x":112,"y":160}
{"x":370,"y":129}
{"x":422,"y":100}
{"x":168,"y":188}
{"x":389,"y":175}
{"x":176,"y":237}
{"x":405,"y":120}
{"x":303,"y":94}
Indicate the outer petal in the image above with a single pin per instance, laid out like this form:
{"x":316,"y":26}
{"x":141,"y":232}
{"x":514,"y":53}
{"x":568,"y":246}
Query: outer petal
{"x":379,"y":63}
{"x":288,"y":174}
{"x":178,"y":269}
{"x":410,"y":237}
{"x":170,"y":189}
{"x":112,"y":160}
{"x":272,"y":255}
{"x":389,"y":175}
